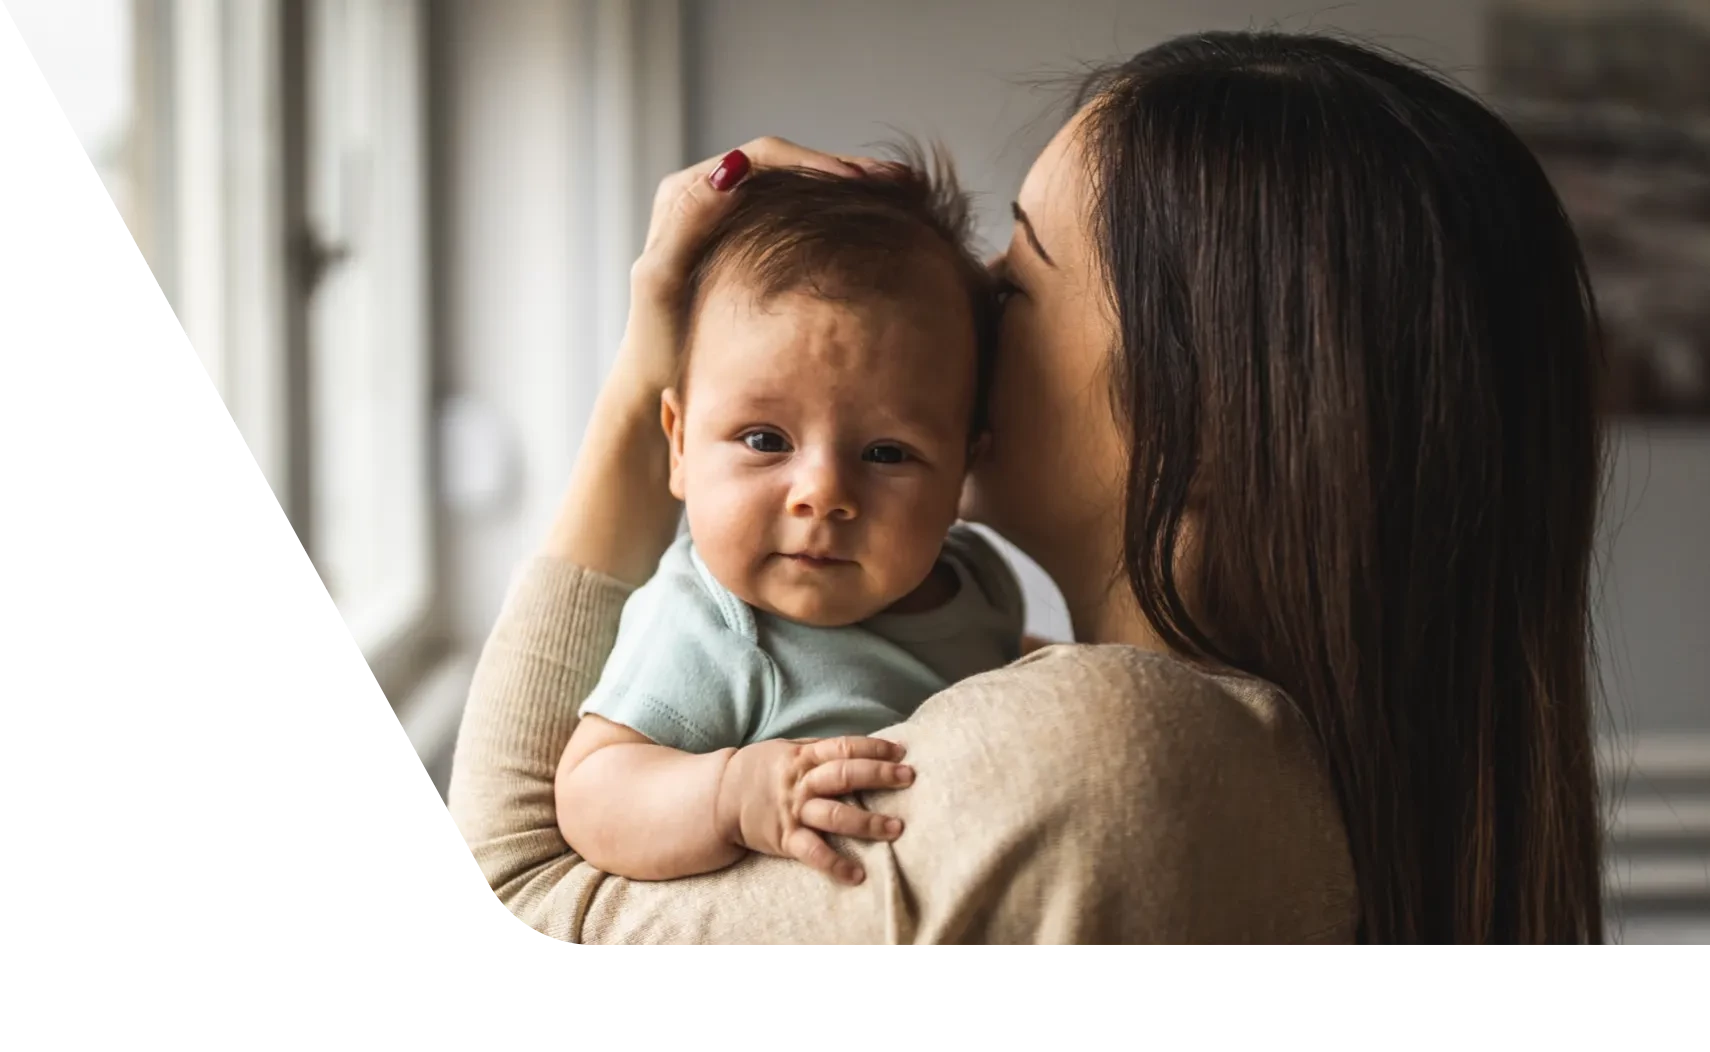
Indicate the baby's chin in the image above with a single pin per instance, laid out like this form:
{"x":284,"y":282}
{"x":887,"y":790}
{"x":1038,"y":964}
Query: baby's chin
{"x":817,"y":611}
{"x":827,"y":604}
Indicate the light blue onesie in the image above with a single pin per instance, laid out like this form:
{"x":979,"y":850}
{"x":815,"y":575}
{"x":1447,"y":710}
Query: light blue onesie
{"x":697,"y":669}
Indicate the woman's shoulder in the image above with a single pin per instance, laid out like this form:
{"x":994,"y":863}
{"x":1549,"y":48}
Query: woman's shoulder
{"x":1137,"y":698}
{"x":1211,"y":784}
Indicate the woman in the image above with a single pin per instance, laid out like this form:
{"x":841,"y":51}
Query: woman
{"x":1294,"y":404}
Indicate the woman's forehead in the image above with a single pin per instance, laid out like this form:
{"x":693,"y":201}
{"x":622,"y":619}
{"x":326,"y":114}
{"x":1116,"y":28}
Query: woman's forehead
{"x":1053,"y":193}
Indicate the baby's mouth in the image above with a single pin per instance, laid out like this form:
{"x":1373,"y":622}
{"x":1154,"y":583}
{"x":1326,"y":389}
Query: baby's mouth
{"x":817,"y":560}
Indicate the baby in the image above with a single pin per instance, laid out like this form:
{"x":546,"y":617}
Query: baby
{"x":830,"y":398}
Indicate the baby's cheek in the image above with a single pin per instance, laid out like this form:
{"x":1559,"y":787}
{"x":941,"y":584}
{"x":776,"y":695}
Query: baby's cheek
{"x":923,"y":513}
{"x":729,"y":523}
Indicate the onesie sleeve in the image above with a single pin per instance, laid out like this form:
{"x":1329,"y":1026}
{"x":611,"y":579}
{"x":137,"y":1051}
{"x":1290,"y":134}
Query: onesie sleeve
{"x":680,"y":674}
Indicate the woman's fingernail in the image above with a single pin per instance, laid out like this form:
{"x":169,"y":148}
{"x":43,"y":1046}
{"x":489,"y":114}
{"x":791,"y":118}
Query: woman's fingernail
{"x":893,"y":827}
{"x":905,"y":774}
{"x":854,"y":874}
{"x":731,"y":168}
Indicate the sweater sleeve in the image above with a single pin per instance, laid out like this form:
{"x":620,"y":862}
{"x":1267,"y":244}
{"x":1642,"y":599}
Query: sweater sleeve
{"x":543,"y":657}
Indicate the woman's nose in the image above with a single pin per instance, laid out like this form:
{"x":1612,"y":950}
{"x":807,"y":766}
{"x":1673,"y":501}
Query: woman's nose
{"x":820,"y":490}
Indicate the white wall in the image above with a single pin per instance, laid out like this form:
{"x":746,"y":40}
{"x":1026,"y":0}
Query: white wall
{"x":841,"y":74}
{"x":513,"y":285}
{"x":835,"y":75}
{"x":558,"y":117}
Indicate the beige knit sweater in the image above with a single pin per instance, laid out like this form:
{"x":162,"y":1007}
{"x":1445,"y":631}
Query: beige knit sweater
{"x":1083,"y":794}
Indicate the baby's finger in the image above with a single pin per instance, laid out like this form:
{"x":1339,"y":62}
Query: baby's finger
{"x":808,"y":848}
{"x":854,"y":747}
{"x":842,"y":777}
{"x":841,"y":819}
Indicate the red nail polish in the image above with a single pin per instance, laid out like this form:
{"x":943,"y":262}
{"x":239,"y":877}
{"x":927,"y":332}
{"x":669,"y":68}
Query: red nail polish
{"x":731,"y":168}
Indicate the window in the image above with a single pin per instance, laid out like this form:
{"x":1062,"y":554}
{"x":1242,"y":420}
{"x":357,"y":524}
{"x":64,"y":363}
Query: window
{"x":370,"y":502}
{"x":269,"y":158}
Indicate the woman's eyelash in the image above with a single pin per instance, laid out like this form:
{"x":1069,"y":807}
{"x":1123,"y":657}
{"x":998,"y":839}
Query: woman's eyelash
{"x":1006,"y":288}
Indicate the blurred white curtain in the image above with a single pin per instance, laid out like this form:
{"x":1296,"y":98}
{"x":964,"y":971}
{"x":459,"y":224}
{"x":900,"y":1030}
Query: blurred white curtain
{"x":558,"y":119}
{"x":201,"y":172}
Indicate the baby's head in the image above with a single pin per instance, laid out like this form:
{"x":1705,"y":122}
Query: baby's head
{"x":839,"y":336}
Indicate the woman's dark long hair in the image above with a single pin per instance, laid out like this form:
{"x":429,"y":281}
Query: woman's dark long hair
{"x":1356,"y":359}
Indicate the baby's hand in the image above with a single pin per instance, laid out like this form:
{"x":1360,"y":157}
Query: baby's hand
{"x":776,"y":797}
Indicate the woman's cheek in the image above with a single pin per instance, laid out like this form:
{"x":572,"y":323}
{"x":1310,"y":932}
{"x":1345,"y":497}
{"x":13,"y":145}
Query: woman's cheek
{"x":947,"y":495}
{"x":1048,"y":399}
{"x":1006,"y":473}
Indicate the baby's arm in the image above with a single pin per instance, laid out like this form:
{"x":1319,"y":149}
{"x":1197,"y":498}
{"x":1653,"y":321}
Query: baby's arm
{"x":638,"y":809}
{"x":649,"y":812}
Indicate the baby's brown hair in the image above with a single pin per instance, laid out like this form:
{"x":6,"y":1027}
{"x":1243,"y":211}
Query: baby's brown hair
{"x":847,"y":238}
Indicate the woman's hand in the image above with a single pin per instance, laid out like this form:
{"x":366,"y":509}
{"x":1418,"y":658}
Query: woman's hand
{"x":777,"y":797}
{"x":685,"y":208}
{"x":618,"y":516}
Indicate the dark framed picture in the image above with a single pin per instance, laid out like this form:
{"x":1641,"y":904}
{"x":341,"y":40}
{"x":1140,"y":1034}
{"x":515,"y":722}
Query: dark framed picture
{"x":1614,"y":97}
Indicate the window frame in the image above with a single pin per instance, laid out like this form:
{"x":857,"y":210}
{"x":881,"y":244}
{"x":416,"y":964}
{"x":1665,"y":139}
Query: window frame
{"x":223,"y":151}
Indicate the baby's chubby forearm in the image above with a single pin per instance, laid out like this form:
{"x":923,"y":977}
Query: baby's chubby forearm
{"x":641,"y":810}
{"x":645,"y":811}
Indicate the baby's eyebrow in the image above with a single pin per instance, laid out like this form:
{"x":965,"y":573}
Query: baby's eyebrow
{"x":763,"y":399}
{"x":918,"y":420}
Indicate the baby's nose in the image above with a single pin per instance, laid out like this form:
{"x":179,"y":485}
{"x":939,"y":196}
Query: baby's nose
{"x":822,"y":491}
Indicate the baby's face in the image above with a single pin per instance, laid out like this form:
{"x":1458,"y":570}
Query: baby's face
{"x":820,"y":446}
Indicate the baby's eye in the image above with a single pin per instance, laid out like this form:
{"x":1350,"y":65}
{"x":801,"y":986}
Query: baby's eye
{"x":766,"y":442}
{"x":884,"y":453}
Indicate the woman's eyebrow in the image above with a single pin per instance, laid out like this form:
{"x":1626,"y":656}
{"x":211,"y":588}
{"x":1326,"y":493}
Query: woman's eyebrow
{"x":1032,"y":237}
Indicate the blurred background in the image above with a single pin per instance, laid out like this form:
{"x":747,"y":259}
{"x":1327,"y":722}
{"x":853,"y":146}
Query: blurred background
{"x":398,"y":236}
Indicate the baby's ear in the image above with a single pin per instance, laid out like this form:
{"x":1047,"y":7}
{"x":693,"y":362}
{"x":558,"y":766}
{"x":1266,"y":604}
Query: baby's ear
{"x":671,"y":419}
